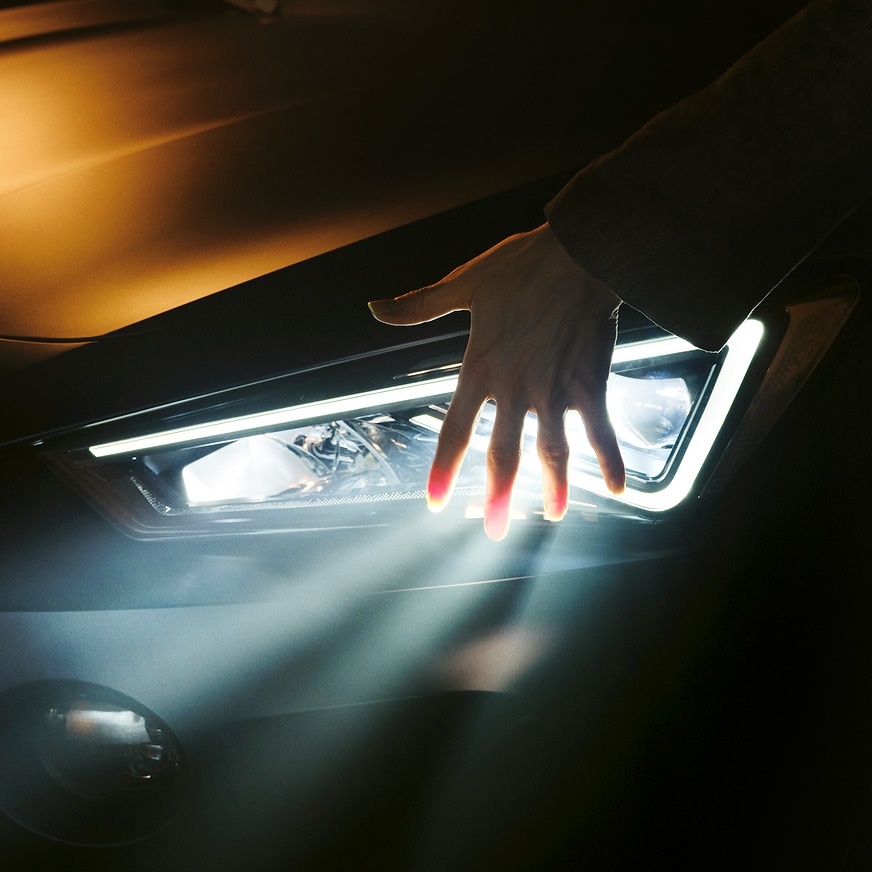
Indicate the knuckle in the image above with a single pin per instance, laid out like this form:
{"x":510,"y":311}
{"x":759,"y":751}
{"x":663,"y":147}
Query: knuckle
{"x":503,"y":458}
{"x":599,"y":432}
{"x":554,"y":454}
{"x":454,"y":431}
{"x":590,"y":397}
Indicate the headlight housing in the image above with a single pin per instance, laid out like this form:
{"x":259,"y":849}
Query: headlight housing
{"x":362,"y":457}
{"x":354,"y":447}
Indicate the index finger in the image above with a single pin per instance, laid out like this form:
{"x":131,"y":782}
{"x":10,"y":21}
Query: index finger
{"x":460,"y":420}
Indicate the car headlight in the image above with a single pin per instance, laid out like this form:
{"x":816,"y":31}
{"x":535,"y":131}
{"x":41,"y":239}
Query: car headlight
{"x":685,"y":420}
{"x":362,"y":457}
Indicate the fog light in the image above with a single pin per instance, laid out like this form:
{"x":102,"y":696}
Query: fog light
{"x":84,"y":764}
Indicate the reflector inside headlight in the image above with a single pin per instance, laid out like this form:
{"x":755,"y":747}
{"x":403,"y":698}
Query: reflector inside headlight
{"x":667,"y":400}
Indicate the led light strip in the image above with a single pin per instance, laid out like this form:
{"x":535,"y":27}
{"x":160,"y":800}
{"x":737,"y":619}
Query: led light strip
{"x":662,"y":347}
{"x":741,"y":348}
{"x":367,"y":401}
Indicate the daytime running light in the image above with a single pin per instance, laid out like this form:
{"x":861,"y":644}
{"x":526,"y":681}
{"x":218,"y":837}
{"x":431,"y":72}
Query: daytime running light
{"x":319,"y":411}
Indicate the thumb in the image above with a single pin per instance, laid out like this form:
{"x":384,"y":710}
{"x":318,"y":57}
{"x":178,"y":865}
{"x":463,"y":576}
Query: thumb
{"x":425,"y":304}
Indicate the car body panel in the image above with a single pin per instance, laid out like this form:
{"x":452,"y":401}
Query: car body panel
{"x":399,"y":692}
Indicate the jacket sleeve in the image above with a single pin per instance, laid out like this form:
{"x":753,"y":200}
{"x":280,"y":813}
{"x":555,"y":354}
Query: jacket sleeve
{"x":714,"y":201}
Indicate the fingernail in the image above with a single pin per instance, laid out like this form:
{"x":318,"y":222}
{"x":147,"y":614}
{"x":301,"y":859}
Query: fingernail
{"x":437,"y":495}
{"x":617,"y":485}
{"x":555,"y":511}
{"x":496,"y":520}
{"x":434,"y":504}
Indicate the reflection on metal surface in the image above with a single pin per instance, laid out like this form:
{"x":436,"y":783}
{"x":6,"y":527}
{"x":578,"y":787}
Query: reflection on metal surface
{"x":329,"y":458}
{"x":495,"y":661}
{"x":649,"y":412}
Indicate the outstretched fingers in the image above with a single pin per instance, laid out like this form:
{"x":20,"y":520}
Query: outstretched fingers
{"x":541,"y":327}
{"x":503,"y":460}
{"x":601,"y":435}
{"x":460,"y":420}
{"x":553,"y":452}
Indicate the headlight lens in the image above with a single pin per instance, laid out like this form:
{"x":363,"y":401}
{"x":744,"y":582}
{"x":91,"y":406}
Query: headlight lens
{"x":667,"y":400}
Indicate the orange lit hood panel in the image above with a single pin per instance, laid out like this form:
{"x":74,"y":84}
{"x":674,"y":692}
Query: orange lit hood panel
{"x":149,"y":165}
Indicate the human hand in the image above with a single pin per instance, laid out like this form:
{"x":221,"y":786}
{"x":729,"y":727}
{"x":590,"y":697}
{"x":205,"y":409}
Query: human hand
{"x":541,"y":338}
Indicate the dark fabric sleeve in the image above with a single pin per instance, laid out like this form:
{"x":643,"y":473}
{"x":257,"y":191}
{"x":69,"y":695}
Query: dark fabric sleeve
{"x":713,"y":202}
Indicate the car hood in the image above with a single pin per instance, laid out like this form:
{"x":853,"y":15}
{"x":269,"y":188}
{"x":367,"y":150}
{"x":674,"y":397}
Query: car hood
{"x":153,"y":156}
{"x":153,"y":161}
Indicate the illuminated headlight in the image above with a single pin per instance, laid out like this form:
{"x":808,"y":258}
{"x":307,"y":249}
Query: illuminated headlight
{"x":359,"y":458}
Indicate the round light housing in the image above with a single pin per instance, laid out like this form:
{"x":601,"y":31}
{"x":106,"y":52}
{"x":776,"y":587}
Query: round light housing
{"x":84,"y":764}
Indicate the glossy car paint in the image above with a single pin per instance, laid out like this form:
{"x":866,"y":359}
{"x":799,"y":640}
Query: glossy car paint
{"x":408,"y":695}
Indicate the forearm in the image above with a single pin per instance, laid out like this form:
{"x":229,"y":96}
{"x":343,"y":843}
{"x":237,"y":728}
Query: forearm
{"x":703,"y":211}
